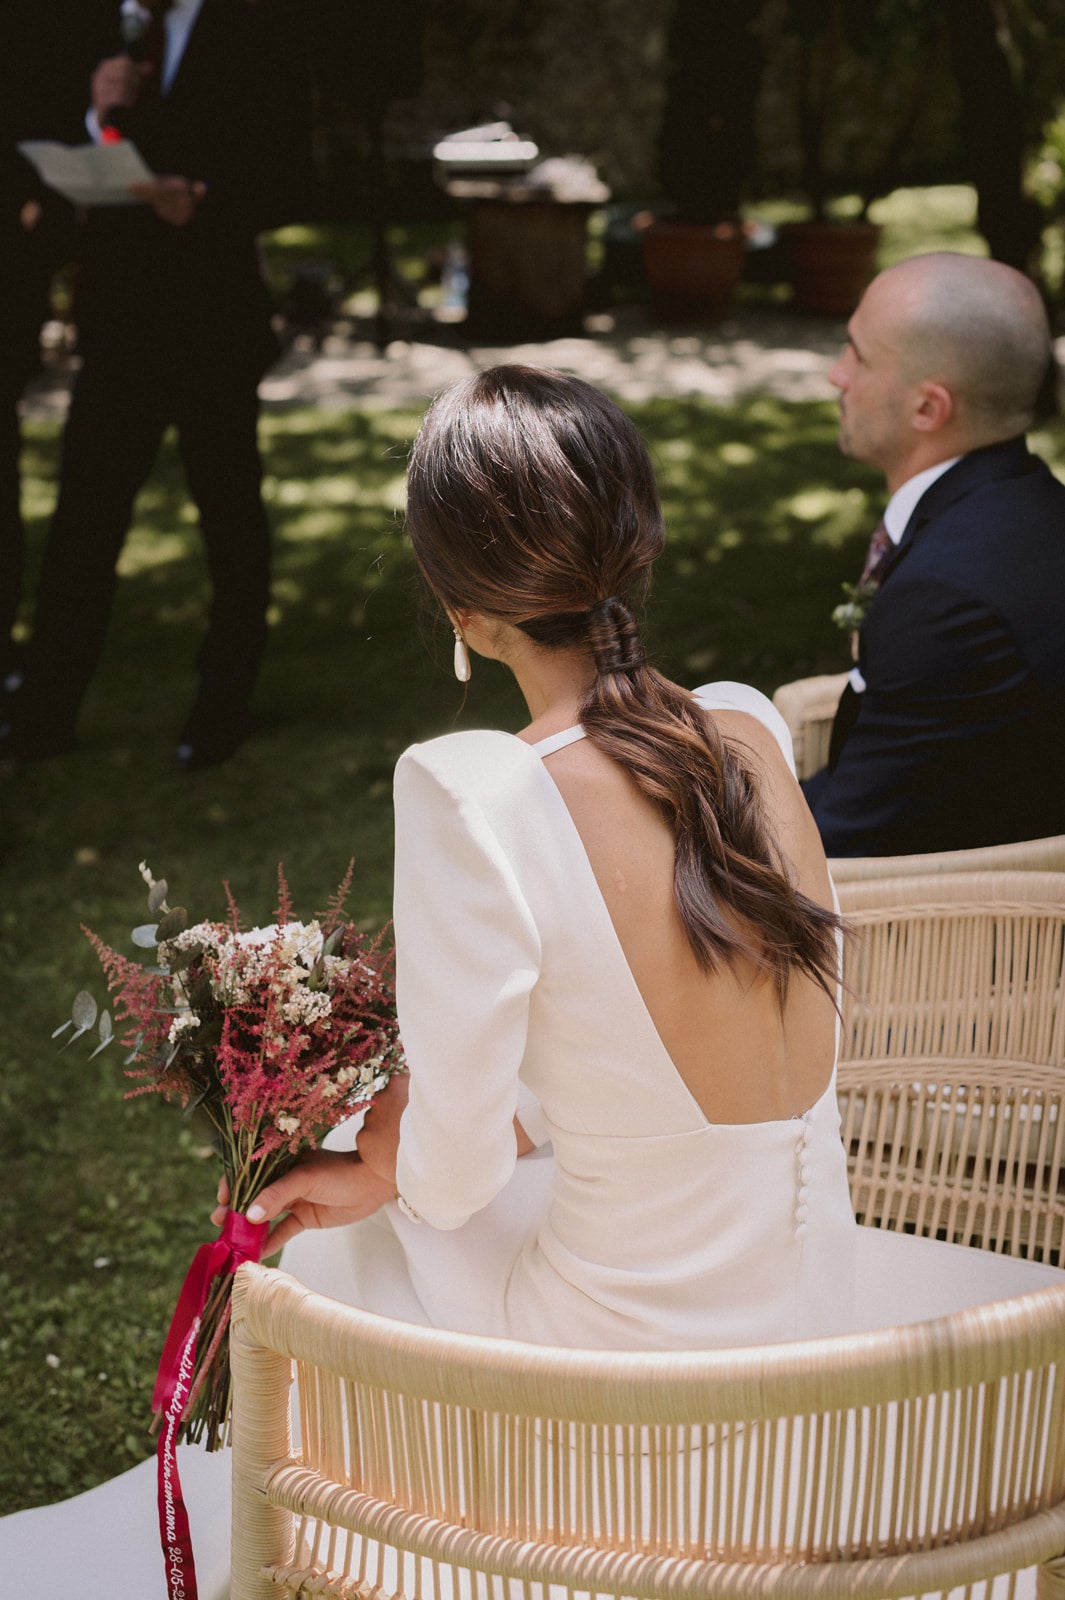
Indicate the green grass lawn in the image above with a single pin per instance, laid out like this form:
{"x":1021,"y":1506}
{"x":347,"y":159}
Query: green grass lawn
{"x":104,"y":1200}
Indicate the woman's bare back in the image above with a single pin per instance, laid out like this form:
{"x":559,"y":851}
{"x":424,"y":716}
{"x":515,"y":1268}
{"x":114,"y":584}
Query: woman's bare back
{"x":742,"y":1057}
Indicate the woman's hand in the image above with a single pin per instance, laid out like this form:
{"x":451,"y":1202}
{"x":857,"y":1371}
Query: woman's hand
{"x":330,"y":1188}
{"x":325,"y":1189}
{"x":378,"y":1139}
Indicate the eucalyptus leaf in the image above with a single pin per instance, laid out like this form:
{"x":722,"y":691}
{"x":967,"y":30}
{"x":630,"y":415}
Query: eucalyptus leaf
{"x":84,"y":1011}
{"x":332,"y":944}
{"x":157,"y":897}
{"x":77,"y":1034}
{"x":184,"y":958}
{"x":201,"y":997}
{"x":173,"y":923}
{"x":145,"y":937}
{"x":205,"y":1096}
{"x":135,"y":1051}
{"x":209,"y":1035}
{"x":107,"y":1034}
{"x":62,"y":1028}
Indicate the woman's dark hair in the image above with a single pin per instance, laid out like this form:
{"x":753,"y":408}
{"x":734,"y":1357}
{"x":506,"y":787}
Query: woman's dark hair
{"x":532,"y":499}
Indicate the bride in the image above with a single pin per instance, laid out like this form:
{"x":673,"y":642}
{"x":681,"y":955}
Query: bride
{"x":622,"y":917}
{"x":617,"y":960}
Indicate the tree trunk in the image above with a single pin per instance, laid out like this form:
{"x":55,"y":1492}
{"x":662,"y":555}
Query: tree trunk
{"x":992,"y":132}
{"x":707,"y":141}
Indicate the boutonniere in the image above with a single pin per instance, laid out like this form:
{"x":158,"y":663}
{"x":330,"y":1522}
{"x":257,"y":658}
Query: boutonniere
{"x":850,"y":613}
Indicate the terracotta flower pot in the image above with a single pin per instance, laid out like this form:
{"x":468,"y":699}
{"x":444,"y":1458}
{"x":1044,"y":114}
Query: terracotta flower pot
{"x":830,"y":263}
{"x":691,"y":268}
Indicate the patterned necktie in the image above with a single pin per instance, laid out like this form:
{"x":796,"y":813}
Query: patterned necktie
{"x":881,"y":549}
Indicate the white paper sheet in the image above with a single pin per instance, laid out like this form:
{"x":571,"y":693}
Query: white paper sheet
{"x":88,"y":174}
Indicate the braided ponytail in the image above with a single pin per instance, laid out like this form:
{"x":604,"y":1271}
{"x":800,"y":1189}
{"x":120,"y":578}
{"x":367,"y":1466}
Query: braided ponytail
{"x":530,"y":498}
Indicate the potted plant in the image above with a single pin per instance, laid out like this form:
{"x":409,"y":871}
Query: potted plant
{"x":846,"y":56}
{"x":693,"y":251}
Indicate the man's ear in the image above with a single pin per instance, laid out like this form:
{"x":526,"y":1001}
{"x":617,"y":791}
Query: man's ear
{"x":934,"y":409}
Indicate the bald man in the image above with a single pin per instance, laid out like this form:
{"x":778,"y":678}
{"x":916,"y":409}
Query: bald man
{"x":951,"y":733}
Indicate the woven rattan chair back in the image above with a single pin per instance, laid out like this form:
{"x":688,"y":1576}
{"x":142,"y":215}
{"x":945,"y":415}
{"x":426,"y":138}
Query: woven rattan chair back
{"x":808,"y":706}
{"x":952,"y":1058}
{"x":1026,"y":855}
{"x":900,"y":1462}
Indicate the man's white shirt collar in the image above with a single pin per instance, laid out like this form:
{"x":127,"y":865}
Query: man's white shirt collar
{"x":897,"y":513}
{"x":901,"y":506}
{"x":179,"y":22}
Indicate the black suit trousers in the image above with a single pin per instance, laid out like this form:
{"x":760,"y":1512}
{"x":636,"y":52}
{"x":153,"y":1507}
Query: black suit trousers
{"x":118,"y":416}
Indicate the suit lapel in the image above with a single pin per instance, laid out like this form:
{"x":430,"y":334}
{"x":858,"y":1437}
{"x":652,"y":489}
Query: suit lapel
{"x":1010,"y":459}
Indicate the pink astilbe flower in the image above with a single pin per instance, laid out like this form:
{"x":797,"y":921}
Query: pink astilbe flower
{"x":275,"y":1035}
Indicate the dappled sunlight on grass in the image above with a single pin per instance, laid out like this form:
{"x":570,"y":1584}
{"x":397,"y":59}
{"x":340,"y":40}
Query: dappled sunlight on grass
{"x":159,"y":550}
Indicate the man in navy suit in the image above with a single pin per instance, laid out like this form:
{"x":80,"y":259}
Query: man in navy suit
{"x":174,"y":328}
{"x":951,"y":733}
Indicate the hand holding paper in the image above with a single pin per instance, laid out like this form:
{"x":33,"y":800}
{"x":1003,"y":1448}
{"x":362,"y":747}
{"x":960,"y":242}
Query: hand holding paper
{"x":89,"y":174}
{"x":174,"y":200}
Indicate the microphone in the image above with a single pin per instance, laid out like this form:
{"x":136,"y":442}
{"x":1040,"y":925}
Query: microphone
{"x":134,"y":21}
{"x":134,"y":25}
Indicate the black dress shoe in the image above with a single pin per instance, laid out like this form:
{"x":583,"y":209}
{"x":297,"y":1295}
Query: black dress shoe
{"x":214,"y":731}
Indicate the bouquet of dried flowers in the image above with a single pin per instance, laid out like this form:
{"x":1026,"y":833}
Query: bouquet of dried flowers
{"x":274,"y":1034}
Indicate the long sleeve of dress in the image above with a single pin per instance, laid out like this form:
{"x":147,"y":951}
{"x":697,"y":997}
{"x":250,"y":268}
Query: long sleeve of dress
{"x":467,"y":957}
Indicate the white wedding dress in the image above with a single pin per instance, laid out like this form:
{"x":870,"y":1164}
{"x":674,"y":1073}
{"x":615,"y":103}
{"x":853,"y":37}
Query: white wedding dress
{"x":636,"y":1225}
{"x":648,"y":1228}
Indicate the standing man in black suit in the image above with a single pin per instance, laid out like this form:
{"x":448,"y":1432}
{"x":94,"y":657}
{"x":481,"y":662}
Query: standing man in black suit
{"x":951,"y":733}
{"x":46,"y":55}
{"x":174,"y":328}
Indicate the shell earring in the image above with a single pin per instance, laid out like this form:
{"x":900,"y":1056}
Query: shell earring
{"x":462,"y":659}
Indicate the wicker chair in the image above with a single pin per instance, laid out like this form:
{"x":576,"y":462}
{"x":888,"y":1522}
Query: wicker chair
{"x":904,"y":1461}
{"x":1027,"y":855}
{"x":808,"y":706}
{"x":951,"y":1075}
{"x":901,"y":1462}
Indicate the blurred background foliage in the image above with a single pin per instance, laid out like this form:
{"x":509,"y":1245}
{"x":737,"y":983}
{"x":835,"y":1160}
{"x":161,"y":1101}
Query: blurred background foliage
{"x":805,"y":100}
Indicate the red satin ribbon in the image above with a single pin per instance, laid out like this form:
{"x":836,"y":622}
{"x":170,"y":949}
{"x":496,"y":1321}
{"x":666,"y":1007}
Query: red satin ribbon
{"x":239,"y":1241}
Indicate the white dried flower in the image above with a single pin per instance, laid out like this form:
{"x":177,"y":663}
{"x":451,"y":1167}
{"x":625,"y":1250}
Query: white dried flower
{"x":181,"y":1024}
